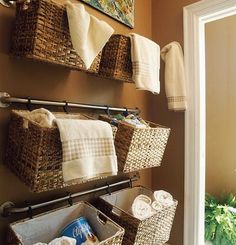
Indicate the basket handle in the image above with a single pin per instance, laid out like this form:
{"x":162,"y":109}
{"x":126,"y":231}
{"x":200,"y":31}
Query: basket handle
{"x":101,"y":218}
{"x":116,"y":211}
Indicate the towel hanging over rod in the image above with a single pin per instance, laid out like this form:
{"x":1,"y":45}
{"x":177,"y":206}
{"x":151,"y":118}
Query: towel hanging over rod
{"x":8,"y":208}
{"x":6,"y":100}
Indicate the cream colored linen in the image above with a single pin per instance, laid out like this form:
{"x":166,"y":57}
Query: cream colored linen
{"x":88,"y":149}
{"x":60,"y":241}
{"x":145,"y":56}
{"x":175,"y":81}
{"x":41,"y":116}
{"x":88,"y":34}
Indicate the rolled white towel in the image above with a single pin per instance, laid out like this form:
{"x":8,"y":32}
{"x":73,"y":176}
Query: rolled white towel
{"x":157,"y":206}
{"x":60,"y":241}
{"x":164,"y":198}
{"x":42,"y":116}
{"x":141,"y":207}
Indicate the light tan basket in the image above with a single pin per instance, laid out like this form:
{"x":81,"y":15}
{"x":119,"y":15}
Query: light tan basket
{"x":151,"y":231}
{"x":116,"y":59}
{"x":46,"y":227}
{"x":41,"y":33}
{"x":137,"y":148}
{"x":34,"y":153}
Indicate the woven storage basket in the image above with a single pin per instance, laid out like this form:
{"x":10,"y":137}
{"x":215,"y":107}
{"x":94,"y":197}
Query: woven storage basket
{"x":41,"y":33}
{"x":45,"y":227}
{"x":138,"y":149}
{"x":151,"y":231}
{"x":34,"y":153}
{"x":116,"y":59}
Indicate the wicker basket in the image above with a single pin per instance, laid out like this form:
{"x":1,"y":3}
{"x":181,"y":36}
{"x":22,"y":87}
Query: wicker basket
{"x":34,"y":153}
{"x":41,"y":33}
{"x":151,"y":231}
{"x":137,"y":148}
{"x":45,"y":227}
{"x":116,"y":59}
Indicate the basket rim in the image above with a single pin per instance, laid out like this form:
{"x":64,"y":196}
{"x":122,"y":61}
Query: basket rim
{"x":155,"y":125}
{"x":121,"y":229}
{"x":175,"y":203}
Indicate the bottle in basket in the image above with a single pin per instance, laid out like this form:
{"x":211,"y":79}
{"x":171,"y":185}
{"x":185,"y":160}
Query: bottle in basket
{"x":81,"y":231}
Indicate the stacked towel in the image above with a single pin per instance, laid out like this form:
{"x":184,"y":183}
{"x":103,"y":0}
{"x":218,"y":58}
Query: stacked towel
{"x":88,"y":149}
{"x":88,"y":34}
{"x":145,"y":56}
{"x":175,"y":82}
{"x":143,"y":207}
{"x":60,"y":241}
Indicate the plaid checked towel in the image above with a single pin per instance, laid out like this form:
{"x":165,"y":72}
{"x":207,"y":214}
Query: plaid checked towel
{"x":88,"y":149}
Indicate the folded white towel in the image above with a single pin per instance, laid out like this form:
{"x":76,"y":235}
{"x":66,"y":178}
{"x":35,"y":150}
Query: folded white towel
{"x":60,"y":241}
{"x":164,"y":198}
{"x":141,"y":207}
{"x":88,"y":34}
{"x":41,"y":116}
{"x":88,"y":149}
{"x":145,"y":56}
{"x":175,"y":82}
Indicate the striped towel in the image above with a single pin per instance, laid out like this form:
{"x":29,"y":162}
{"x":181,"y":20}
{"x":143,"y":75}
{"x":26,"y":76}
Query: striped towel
{"x":145,"y":56}
{"x":88,"y":149}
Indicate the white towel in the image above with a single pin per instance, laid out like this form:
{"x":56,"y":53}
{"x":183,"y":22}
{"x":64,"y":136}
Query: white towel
{"x":88,"y":149}
{"x":88,"y":34}
{"x":175,"y":82}
{"x":141,"y":207}
{"x":164,"y":198}
{"x":41,"y":116}
{"x":145,"y":56}
{"x":60,"y":241}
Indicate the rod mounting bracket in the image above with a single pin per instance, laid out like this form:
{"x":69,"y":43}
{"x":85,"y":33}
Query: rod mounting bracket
{"x":3,"y":96}
{"x":5,"y":207}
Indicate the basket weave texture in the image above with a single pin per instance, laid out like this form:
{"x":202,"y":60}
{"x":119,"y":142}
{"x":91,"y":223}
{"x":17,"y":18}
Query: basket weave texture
{"x":151,"y":231}
{"x":34,"y":153}
{"x":113,"y":231}
{"x":137,"y":149}
{"x":41,"y":33}
{"x":116,"y":59}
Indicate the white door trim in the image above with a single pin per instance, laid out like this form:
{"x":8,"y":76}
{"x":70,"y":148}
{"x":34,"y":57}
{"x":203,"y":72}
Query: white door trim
{"x":195,"y":18}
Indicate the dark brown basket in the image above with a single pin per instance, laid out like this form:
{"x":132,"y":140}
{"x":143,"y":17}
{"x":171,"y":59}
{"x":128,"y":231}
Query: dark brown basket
{"x":136,"y":148}
{"x":151,"y":231}
{"x":41,"y":33}
{"x":30,"y":231}
{"x":34,"y":153}
{"x":116,"y":59}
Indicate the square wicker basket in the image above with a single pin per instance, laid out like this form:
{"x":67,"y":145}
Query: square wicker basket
{"x":116,"y":59}
{"x":47,"y":226}
{"x":150,"y":231}
{"x":34,"y":153}
{"x":136,"y":148}
{"x":41,"y":33}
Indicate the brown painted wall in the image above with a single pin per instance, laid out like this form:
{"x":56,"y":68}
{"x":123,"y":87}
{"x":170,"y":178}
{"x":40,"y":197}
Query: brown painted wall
{"x":220,"y":106}
{"x":24,"y":78}
{"x":167,"y":25}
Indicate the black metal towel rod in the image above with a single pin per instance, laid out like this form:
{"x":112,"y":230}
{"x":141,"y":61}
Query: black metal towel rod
{"x":8,"y":208}
{"x":6,"y":100}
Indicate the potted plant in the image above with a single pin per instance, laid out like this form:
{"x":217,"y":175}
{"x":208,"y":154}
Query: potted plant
{"x":220,"y":220}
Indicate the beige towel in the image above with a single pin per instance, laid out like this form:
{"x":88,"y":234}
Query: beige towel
{"x":41,"y":116}
{"x":60,"y":241}
{"x":145,"y":56}
{"x":175,"y":82}
{"x":88,"y":34}
{"x":88,"y":149}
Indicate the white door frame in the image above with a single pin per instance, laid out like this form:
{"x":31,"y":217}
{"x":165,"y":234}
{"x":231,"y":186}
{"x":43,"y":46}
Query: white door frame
{"x":195,"y":18}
